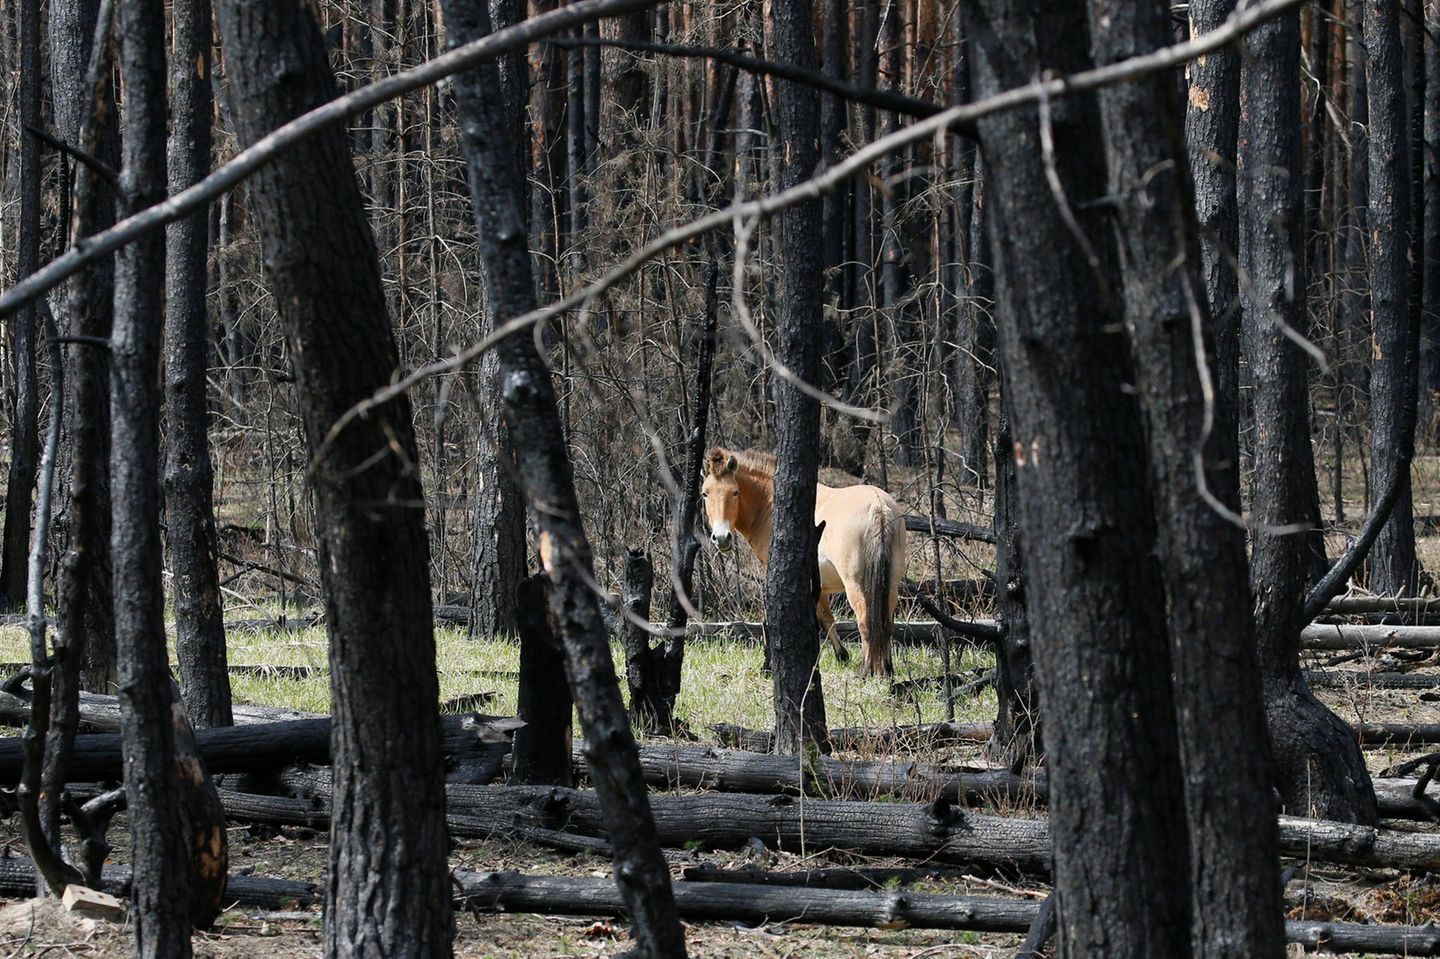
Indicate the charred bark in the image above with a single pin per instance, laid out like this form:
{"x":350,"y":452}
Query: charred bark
{"x":497,"y":184}
{"x":542,"y":745}
{"x":1319,"y":767}
{"x":159,"y":889}
{"x":25,"y":400}
{"x":1084,"y":501}
{"x":1235,"y":881}
{"x":789,"y":606}
{"x":189,"y":479}
{"x":1395,"y":337}
{"x":388,"y":891}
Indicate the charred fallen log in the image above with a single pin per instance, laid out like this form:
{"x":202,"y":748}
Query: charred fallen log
{"x":512,"y":892}
{"x":1346,"y":679}
{"x":700,"y":767}
{"x":467,"y":739}
{"x":102,"y":713}
{"x":917,"y":736}
{"x":17,"y":881}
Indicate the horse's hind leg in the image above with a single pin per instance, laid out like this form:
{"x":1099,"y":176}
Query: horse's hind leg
{"x":826,"y":615}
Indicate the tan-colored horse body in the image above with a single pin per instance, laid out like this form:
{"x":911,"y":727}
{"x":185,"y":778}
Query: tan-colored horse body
{"x":862,"y":551}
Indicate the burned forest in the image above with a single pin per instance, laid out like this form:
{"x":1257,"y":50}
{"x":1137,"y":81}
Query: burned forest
{"x":664,"y":478}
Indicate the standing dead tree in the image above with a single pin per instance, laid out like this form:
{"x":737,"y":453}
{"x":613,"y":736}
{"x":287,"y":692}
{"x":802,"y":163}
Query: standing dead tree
{"x":1319,"y":766}
{"x":189,"y":478}
{"x":159,"y":887}
{"x":388,"y":893}
{"x":497,"y":184}
{"x":1236,"y":908}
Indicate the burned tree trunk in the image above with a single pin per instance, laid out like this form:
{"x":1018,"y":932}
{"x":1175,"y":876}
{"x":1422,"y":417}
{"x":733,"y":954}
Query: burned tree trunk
{"x":497,"y":184}
{"x":542,"y":745}
{"x":189,"y":479}
{"x":83,"y":102}
{"x":25,"y":413}
{"x":499,"y":564}
{"x":1084,"y":502}
{"x":1319,"y":766}
{"x":790,"y":624}
{"x":1396,"y":334}
{"x":1212,"y":129}
{"x":160,"y":890}
{"x":1430,"y":198}
{"x":388,"y":891}
{"x":640,"y":659}
{"x":1016,"y":740}
{"x":1236,"y":908}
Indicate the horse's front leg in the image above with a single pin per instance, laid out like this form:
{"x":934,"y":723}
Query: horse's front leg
{"x":826,"y":616}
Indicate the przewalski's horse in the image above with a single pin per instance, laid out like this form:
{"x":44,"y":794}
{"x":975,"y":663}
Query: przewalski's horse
{"x":862,"y":550}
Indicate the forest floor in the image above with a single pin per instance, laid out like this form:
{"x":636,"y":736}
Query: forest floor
{"x":722,"y":682}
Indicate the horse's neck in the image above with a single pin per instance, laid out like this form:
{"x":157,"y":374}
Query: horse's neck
{"x":757,"y":525}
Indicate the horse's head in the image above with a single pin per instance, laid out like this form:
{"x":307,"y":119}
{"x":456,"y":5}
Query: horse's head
{"x":721,"y":492}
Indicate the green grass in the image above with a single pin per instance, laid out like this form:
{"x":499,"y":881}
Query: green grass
{"x":722,"y":681}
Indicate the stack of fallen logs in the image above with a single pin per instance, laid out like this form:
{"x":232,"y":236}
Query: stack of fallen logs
{"x":273,"y":772}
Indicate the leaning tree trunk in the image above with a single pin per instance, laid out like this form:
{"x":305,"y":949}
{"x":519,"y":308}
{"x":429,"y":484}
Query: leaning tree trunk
{"x":159,"y":887}
{"x":789,"y":611}
{"x":497,"y":183}
{"x":1396,"y":336}
{"x":1234,"y":848}
{"x":1102,"y":660}
{"x":25,"y":413}
{"x":389,"y":891}
{"x":1319,"y":769}
{"x":83,"y":587}
{"x":189,"y":479}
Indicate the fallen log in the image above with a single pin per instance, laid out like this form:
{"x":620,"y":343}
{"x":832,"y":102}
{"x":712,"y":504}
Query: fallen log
{"x":836,"y":877}
{"x":1398,"y":734}
{"x":949,"y":527}
{"x":97,"y":756}
{"x":1347,"y":679}
{"x":17,"y":881}
{"x":701,"y":767}
{"x":1360,"y":605}
{"x":554,"y":895}
{"x":561,"y":895}
{"x":913,"y":737}
{"x":919,"y":632}
{"x":1350,"y":636}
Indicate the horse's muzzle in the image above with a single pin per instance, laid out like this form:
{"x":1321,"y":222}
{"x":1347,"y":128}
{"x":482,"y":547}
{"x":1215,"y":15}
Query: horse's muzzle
{"x":723,"y":541}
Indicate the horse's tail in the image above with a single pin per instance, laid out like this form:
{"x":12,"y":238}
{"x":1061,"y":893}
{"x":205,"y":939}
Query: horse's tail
{"x":876,"y":575}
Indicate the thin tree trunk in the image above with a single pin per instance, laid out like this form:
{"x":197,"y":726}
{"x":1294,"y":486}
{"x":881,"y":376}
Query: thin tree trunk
{"x":976,"y":353}
{"x":1319,"y":767}
{"x":1085,"y":506}
{"x":790,"y":623}
{"x":388,"y":892}
{"x":1430,"y":315}
{"x":1212,"y":127}
{"x":82,"y":99}
{"x":159,"y":888}
{"x":1236,"y":910}
{"x":25,"y":413}
{"x":189,"y":479}
{"x":497,"y":184}
{"x":1396,"y":336}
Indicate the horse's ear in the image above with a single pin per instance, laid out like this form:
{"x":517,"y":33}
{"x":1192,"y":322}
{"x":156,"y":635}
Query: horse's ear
{"x":716,"y":461}
{"x":732,"y":464}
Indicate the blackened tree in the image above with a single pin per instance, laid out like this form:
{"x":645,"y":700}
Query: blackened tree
{"x":189,"y":479}
{"x":25,"y":413}
{"x":159,"y":889}
{"x":388,"y":891}
{"x":1234,"y":847}
{"x":789,"y":620}
{"x":1103,"y":660}
{"x":1394,"y":368}
{"x":497,"y":183}
{"x":1319,"y":769}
